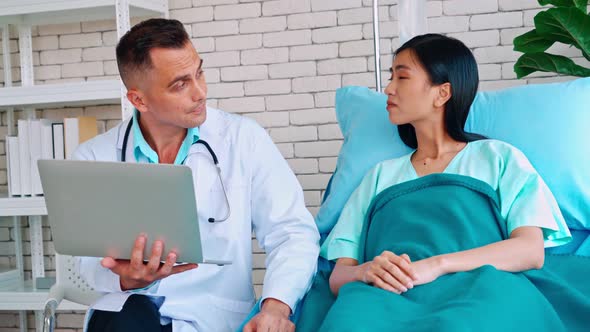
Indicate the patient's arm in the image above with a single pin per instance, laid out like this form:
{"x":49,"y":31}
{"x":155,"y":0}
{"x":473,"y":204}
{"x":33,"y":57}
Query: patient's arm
{"x":387,"y":271}
{"x":523,"y":251}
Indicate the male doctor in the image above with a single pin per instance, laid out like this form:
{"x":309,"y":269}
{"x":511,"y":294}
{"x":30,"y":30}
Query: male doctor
{"x":164,"y":78}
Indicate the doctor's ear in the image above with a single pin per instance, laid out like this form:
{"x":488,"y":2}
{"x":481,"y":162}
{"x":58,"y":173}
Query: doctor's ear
{"x":136,"y":99}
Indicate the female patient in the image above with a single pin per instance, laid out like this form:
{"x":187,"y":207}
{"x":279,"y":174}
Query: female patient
{"x":433,"y":82}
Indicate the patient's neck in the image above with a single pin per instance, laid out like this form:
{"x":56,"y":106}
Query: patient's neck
{"x":435,"y":142}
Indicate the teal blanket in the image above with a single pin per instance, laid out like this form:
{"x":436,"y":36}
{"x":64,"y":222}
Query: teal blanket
{"x":440,"y":214}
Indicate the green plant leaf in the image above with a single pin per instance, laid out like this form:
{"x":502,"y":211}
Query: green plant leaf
{"x":580,"y":4}
{"x":532,"y":62}
{"x":565,"y":25}
{"x":532,"y":42}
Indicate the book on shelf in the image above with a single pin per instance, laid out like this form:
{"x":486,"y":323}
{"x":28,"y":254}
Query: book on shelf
{"x":78,"y":130}
{"x":13,"y":166}
{"x":35,"y":150}
{"x":46,"y":139}
{"x":42,"y":139}
{"x":24,"y":154}
{"x":57,"y":132}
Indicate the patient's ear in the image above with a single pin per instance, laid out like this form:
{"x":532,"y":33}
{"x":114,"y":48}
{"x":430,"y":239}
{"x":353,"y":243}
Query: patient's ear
{"x":443,"y":95}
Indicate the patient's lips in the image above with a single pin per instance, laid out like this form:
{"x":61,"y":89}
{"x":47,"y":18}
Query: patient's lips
{"x":391,"y":104}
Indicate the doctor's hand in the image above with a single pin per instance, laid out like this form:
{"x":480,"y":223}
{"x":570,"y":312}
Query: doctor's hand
{"x":389,"y":271}
{"x":273,"y":317}
{"x":134,"y":273}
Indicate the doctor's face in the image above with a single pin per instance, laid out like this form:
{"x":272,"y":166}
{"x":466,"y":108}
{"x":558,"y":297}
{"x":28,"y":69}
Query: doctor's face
{"x":174,"y":91}
{"x":410,"y":94}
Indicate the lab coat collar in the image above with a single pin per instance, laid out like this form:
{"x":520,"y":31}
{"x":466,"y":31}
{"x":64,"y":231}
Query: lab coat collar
{"x":214,"y":126}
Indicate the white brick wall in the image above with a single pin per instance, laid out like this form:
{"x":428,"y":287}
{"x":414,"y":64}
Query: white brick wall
{"x":232,"y":12}
{"x":83,"y":40}
{"x":287,"y":38}
{"x":221,"y":59}
{"x":267,"y":87}
{"x":61,"y":56}
{"x":284,"y":7}
{"x":478,"y":38}
{"x":244,"y":73}
{"x":241,"y":42}
{"x":446,"y":24}
{"x":191,"y":15}
{"x":293,"y":69}
{"x":314,"y":52}
{"x":289,"y":102}
{"x":463,"y":7}
{"x":278,"y":62}
{"x":318,"y":83}
{"x":265,"y":56}
{"x":496,"y":20}
{"x":321,"y":5}
{"x":42,"y":43}
{"x":215,"y":28}
{"x":264,"y":24}
{"x":337,"y":34}
{"x":311,"y":20}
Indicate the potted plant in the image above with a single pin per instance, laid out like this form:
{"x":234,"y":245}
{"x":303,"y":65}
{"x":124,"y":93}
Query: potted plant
{"x":568,"y":22}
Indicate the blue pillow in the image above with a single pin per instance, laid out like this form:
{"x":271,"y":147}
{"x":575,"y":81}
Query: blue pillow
{"x":550,"y":123}
{"x":369,"y":138}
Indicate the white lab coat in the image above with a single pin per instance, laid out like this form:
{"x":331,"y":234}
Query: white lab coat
{"x":264,"y":195}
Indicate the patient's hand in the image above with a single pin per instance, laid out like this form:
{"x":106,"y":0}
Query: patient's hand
{"x":390,"y":272}
{"x":135,"y":274}
{"x":427,"y":270}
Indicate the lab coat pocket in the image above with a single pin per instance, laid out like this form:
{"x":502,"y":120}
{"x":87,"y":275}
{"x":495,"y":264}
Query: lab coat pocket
{"x":232,"y":311}
{"x":232,"y":305}
{"x":221,"y":237}
{"x":220,"y":208}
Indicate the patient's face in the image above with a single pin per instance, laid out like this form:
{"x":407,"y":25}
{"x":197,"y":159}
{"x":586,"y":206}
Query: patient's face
{"x":410,"y":95}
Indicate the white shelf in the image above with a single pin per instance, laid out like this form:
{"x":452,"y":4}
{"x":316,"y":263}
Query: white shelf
{"x":22,"y":206}
{"x":9,"y":278}
{"x":64,"y":94}
{"x":38,"y":12}
{"x":25,"y":297}
{"x":25,"y":14}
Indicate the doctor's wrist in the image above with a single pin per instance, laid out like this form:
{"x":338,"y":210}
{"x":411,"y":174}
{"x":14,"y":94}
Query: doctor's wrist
{"x":134,"y":285}
{"x":272,"y":305}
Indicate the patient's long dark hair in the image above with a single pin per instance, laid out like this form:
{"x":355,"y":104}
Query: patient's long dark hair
{"x":445,"y":60}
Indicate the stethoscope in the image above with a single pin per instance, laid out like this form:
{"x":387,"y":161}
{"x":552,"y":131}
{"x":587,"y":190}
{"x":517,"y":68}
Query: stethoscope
{"x":213,"y":156}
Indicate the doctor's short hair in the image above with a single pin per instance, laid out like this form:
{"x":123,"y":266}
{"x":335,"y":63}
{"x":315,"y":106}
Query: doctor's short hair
{"x":133,"y":50}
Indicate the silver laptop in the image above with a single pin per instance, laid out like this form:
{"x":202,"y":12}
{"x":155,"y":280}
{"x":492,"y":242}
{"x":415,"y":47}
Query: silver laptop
{"x":98,"y":208}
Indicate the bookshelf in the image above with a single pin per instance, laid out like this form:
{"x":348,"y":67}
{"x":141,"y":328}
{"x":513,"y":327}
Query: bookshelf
{"x":61,"y":95}
{"x":22,"y":206}
{"x":23,"y":14}
{"x":27,"y":297}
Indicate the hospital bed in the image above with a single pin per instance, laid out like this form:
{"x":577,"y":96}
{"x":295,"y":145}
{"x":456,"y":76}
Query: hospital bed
{"x":550,"y":123}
